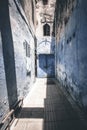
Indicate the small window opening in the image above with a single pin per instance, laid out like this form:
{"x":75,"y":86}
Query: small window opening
{"x":27,"y":48}
{"x":45,"y":2}
{"x":46,"y":30}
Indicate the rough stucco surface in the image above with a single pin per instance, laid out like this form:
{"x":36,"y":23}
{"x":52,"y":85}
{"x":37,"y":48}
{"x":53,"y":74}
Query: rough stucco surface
{"x":3,"y":94}
{"x":46,"y":45}
{"x":21,"y":36}
{"x":71,"y":54}
{"x":25,"y":65}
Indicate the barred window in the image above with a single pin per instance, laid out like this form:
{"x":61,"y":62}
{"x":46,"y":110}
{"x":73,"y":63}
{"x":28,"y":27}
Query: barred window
{"x":46,"y":30}
{"x":27,"y":48}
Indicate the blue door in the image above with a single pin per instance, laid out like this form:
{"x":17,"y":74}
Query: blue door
{"x":46,"y":65}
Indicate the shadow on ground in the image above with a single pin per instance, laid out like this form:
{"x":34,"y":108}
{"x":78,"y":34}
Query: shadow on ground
{"x":57,"y":113}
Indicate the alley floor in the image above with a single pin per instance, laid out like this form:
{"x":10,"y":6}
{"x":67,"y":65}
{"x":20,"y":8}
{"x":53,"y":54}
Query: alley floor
{"x":47,"y":108}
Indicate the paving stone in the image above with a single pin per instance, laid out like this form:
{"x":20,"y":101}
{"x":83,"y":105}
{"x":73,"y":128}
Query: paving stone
{"x":48,"y":109}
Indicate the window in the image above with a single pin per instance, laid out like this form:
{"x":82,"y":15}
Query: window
{"x":46,"y":30}
{"x":45,"y":2}
{"x":27,"y":48}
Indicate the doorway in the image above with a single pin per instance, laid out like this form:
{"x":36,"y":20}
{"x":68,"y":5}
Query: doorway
{"x":45,"y":66}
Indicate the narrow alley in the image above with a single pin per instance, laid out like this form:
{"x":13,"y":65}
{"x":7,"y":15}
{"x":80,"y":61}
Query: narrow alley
{"x":47,"y":108}
{"x":43,"y":64}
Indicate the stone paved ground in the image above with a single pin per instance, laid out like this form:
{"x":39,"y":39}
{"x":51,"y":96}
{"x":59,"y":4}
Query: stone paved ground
{"x":46,"y":108}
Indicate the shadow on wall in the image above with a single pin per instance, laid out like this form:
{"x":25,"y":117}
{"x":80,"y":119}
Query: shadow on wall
{"x":47,"y":65}
{"x":8,"y":52}
{"x":22,"y":3}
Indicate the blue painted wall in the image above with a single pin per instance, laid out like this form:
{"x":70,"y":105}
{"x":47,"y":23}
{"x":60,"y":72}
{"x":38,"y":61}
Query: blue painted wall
{"x":22,"y":39}
{"x":71,"y":54}
{"x":46,"y":65}
{"x":4,"y":106}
